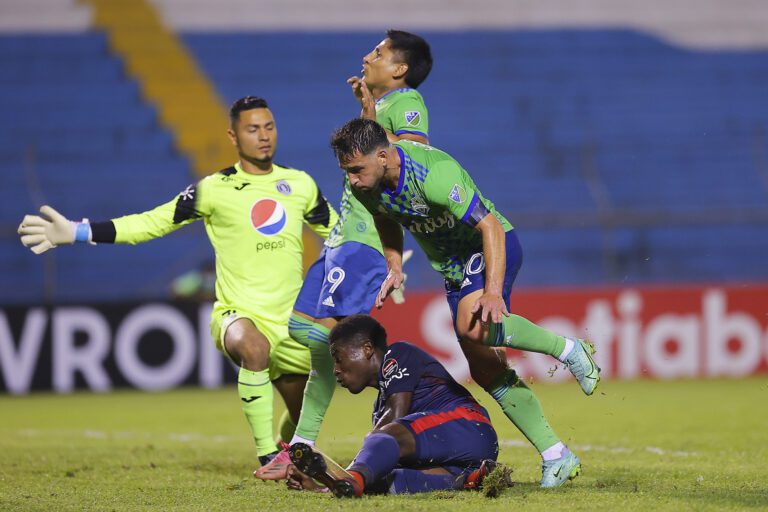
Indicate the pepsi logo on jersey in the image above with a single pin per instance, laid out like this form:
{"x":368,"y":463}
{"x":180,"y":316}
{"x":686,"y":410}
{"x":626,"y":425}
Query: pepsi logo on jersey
{"x":268,"y":216}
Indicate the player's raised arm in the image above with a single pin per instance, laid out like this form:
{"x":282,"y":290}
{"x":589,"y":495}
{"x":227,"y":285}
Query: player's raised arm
{"x":364,"y":96}
{"x":400,"y":119}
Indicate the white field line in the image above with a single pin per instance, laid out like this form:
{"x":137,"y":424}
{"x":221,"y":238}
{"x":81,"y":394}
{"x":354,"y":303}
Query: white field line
{"x":190,"y":437}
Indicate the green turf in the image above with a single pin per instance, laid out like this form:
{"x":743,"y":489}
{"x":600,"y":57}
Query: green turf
{"x":693,"y":445}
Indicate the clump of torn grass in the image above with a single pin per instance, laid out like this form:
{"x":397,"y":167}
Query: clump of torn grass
{"x":496,"y":481}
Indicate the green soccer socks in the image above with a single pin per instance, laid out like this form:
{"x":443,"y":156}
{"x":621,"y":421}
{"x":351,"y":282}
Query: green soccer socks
{"x":522,"y":407}
{"x":321,"y":383}
{"x":517,"y":332}
{"x":256,"y":396}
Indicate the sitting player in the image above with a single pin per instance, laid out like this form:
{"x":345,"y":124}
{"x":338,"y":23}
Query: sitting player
{"x":429,"y":433}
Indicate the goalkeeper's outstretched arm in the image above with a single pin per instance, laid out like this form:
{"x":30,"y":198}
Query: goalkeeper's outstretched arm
{"x":51,"y":229}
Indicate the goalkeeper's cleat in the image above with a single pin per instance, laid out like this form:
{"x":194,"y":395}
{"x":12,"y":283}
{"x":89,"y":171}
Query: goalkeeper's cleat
{"x":474,"y":480}
{"x":555,"y":473}
{"x":313,"y":464}
{"x":277,"y":468}
{"x":582,"y":366}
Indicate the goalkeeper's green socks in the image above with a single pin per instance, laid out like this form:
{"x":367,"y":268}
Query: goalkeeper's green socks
{"x":256,"y":396}
{"x":517,"y":332}
{"x":321,"y":383}
{"x":522,"y":407}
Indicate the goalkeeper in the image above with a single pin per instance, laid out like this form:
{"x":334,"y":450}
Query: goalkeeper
{"x":253,"y":214}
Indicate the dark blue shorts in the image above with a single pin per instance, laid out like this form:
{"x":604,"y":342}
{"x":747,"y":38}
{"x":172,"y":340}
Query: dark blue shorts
{"x":455,"y":439}
{"x":344,"y":280}
{"x":474,"y":274}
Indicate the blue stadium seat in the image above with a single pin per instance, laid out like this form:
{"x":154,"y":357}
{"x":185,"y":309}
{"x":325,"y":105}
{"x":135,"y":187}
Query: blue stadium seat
{"x":547,"y":121}
{"x":75,"y":133}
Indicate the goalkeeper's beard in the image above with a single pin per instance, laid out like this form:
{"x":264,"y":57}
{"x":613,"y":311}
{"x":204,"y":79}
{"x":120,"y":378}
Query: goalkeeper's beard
{"x":262,"y":163}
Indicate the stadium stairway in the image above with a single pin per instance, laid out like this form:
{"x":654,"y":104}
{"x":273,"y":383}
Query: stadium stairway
{"x":170,"y":79}
{"x":87,"y":143}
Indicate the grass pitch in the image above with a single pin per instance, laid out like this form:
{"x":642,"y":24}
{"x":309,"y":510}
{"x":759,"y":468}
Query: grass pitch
{"x":689,"y":445}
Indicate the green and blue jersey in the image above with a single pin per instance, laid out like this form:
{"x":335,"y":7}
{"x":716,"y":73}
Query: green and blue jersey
{"x":437,"y":201}
{"x":400,"y":111}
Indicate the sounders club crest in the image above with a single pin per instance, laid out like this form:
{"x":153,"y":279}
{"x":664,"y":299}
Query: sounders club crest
{"x":419,"y":206}
{"x":413,"y":118}
{"x":457,"y":194}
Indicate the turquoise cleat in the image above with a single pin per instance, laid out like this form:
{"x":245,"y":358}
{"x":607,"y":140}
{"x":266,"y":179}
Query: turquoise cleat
{"x":582,"y":366}
{"x":555,"y":473}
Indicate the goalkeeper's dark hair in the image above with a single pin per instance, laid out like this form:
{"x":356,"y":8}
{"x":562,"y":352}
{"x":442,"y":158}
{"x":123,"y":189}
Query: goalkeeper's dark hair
{"x":414,"y":51}
{"x":355,"y":330}
{"x":243,"y":104}
{"x":358,"y":136}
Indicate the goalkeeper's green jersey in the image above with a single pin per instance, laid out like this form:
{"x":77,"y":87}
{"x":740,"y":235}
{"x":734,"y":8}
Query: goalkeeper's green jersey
{"x":254,"y":223}
{"x":399,"y":111}
{"x":437,"y":201}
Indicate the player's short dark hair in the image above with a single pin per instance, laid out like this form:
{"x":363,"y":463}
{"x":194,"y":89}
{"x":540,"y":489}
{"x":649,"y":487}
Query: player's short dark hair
{"x":415,"y":52}
{"x":243,"y":104}
{"x":355,"y":330}
{"x":358,"y":136}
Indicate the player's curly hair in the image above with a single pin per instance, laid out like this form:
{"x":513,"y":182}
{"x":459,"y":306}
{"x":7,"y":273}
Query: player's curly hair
{"x":358,"y":137}
{"x":357,"y":329}
{"x":414,"y":51}
{"x":245,"y":103}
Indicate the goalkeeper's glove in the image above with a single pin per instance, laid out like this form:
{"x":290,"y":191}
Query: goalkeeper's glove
{"x":398,"y":294}
{"x":40,"y":234}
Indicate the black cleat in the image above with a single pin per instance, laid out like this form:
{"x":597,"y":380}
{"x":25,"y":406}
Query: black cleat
{"x":313,"y":464}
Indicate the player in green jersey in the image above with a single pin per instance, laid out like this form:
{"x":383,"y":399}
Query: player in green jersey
{"x":477,"y":252}
{"x":253,"y":214}
{"x":387,"y":92}
{"x":347,"y":276}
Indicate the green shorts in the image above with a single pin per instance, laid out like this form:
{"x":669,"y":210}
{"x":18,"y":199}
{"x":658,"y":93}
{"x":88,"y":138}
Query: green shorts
{"x":286,"y":356}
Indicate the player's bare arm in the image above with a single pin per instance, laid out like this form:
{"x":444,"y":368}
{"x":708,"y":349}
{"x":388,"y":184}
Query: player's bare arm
{"x":299,"y":481}
{"x":490,"y":305}
{"x":392,"y":242}
{"x":396,"y":406}
{"x":364,"y":96}
{"x":368,"y":105}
